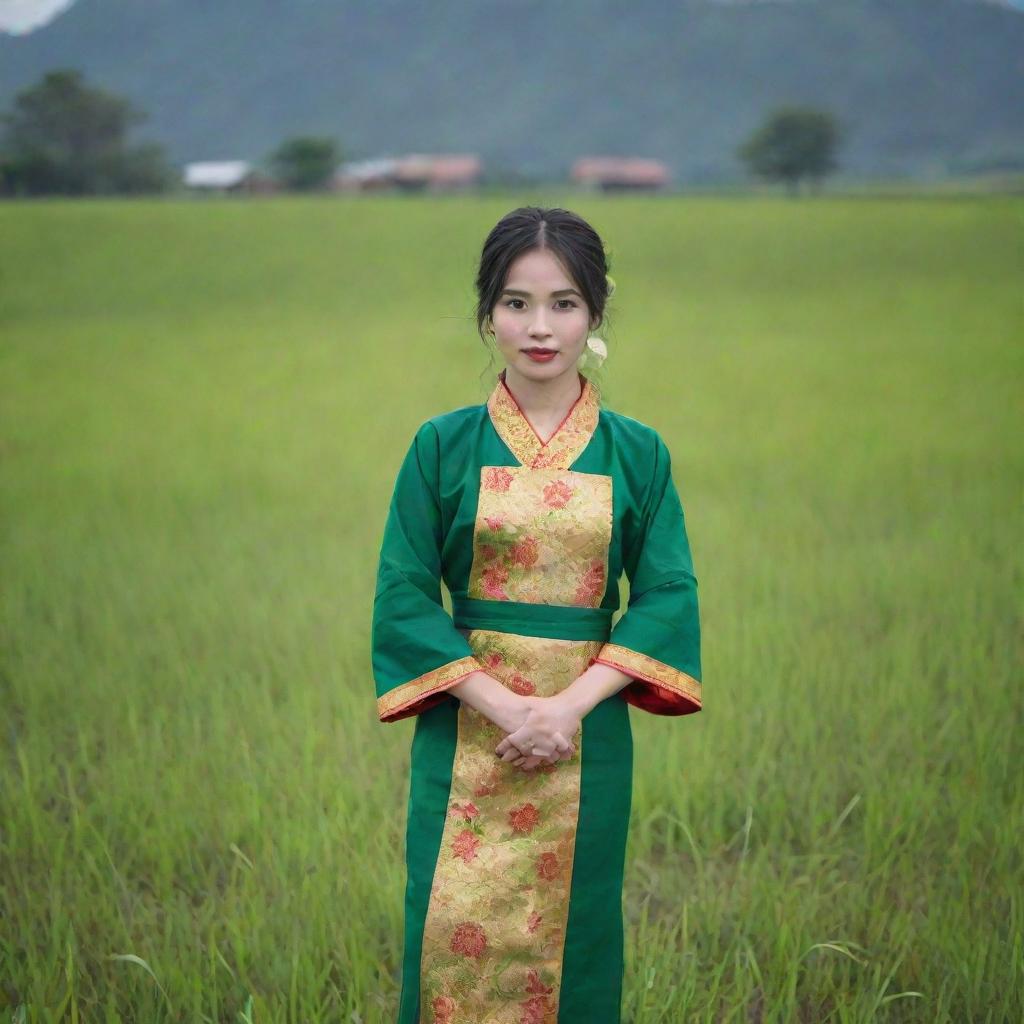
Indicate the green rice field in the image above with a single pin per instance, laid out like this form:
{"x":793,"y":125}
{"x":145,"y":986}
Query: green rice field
{"x":203,"y":405}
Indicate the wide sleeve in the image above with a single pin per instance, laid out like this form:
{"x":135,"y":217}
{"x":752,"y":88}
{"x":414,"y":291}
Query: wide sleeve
{"x":657,"y":638}
{"x":417,"y":652}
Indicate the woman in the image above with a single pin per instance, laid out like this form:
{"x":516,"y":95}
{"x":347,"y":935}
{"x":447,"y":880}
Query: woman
{"x":529,"y":506}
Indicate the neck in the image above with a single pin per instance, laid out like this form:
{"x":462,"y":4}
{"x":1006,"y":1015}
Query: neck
{"x":545,"y":400}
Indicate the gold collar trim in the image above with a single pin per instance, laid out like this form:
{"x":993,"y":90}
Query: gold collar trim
{"x":564,"y":446}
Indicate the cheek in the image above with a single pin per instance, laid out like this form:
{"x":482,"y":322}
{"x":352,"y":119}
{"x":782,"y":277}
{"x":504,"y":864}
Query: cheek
{"x":580,"y":321}
{"x":503,"y":323}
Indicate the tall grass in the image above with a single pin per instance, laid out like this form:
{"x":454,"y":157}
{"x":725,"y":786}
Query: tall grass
{"x":204,"y":405}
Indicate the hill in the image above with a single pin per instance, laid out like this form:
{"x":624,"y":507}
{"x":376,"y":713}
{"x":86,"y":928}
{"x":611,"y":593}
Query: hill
{"x":922,"y":87}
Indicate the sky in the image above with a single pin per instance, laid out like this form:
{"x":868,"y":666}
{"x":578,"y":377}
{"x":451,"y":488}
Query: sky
{"x":20,"y":16}
{"x":17,"y":16}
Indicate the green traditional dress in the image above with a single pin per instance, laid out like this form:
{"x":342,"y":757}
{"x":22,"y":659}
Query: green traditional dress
{"x":513,"y":903}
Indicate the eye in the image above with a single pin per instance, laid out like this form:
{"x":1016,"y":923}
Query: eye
{"x":510,"y":301}
{"x":571,"y":303}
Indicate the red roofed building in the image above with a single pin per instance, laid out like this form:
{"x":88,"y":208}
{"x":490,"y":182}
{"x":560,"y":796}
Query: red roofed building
{"x":438,"y":173}
{"x":616,"y":173}
{"x":414,"y":172}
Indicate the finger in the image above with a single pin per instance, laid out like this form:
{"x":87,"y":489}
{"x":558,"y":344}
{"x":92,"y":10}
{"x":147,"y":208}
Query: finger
{"x":513,"y":741}
{"x":519,"y":739}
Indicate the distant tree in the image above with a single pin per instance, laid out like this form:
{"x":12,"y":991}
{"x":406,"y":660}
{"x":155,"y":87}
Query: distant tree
{"x":66,"y":137}
{"x":793,"y":143}
{"x":305,"y":162}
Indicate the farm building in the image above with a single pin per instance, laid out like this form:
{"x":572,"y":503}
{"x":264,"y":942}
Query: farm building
{"x":227,"y":176}
{"x":413,"y":172}
{"x":365,"y":175}
{"x":615,"y":173}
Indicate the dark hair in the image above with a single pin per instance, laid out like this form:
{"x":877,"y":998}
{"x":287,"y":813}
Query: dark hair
{"x":575,"y":244}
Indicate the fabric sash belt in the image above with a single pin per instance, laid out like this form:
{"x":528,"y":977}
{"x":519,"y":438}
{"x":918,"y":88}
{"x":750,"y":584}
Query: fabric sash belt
{"x":557,"y":621}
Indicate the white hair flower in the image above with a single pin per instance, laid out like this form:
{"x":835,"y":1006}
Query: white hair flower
{"x":598,"y":349}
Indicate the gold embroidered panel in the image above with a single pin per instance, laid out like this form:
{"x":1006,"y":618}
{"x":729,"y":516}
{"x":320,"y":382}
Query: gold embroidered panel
{"x":541,"y":536}
{"x":494,"y":932}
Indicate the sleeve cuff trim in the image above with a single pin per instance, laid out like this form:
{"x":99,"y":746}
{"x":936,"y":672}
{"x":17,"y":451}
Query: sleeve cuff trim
{"x":398,"y":702}
{"x":650,"y":670}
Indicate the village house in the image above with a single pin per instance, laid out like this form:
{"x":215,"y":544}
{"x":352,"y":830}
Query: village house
{"x":417,"y":172}
{"x":365,"y":175}
{"x":616,"y":174}
{"x":227,"y":176}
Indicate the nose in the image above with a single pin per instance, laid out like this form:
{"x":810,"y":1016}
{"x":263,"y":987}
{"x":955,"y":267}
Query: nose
{"x":539,"y":328}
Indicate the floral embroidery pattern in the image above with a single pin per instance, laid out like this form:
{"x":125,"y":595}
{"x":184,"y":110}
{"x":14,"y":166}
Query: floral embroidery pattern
{"x":518,"y":682}
{"x":543,"y":537}
{"x":523,"y":819}
{"x":557,"y":494}
{"x":547,"y":866}
{"x":443,"y":1007}
{"x":524,"y":552}
{"x":537,"y":1008}
{"x":494,"y":933}
{"x":497,"y":478}
{"x":469,"y":940}
{"x":493,"y":580}
{"x":466,"y":845}
{"x":469,"y":810}
{"x":591,"y":586}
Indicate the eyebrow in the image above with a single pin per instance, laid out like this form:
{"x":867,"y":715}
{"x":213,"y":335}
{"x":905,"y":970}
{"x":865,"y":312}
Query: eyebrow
{"x":561,"y":291}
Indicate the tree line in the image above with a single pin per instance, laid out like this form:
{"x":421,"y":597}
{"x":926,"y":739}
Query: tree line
{"x":64,"y":136}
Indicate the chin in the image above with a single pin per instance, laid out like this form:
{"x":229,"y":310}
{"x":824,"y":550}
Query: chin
{"x":540,"y":371}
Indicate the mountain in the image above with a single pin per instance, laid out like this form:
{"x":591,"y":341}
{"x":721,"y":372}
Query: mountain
{"x":921,"y":87}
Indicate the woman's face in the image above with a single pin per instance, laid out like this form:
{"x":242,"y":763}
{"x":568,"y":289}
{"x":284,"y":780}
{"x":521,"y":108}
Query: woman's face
{"x":540,"y":308}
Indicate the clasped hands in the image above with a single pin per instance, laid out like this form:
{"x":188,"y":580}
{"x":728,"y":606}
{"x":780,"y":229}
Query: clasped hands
{"x":540,"y":731}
